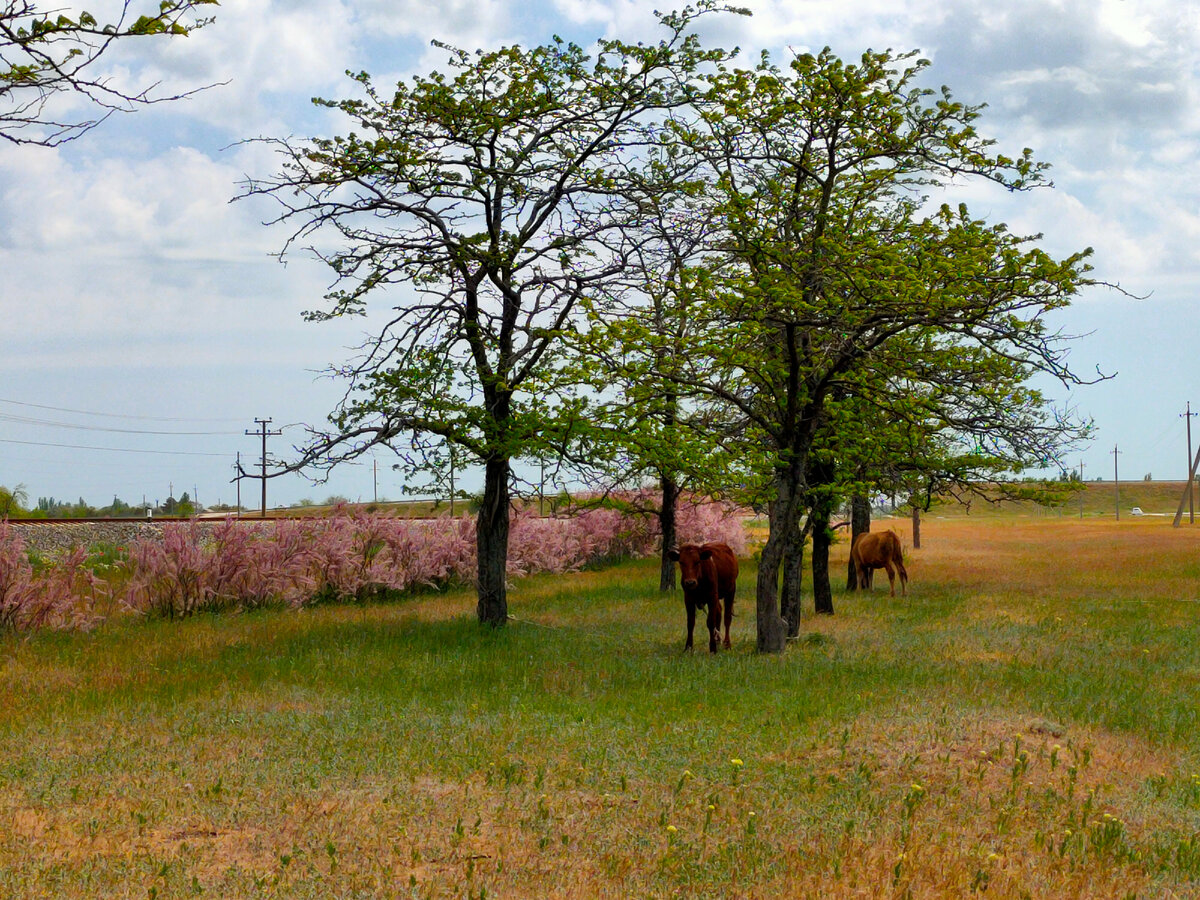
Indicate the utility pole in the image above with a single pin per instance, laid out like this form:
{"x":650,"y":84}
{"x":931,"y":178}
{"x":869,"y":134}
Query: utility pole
{"x":375,"y":467}
{"x":1183,"y":497}
{"x":452,"y":481}
{"x":238,"y":481}
{"x":264,"y":434}
{"x":1190,"y":489}
{"x":1116,"y":481}
{"x":1083,"y":485}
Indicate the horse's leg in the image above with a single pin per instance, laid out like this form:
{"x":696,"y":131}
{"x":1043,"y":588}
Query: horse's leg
{"x":714,"y":623}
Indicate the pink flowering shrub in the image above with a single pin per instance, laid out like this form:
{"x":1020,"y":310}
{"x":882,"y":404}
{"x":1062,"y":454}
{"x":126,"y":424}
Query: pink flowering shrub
{"x":699,"y":523}
{"x":364,"y":555}
{"x":567,"y":543}
{"x":47,"y":599}
{"x":355,"y":556}
{"x":170,"y":576}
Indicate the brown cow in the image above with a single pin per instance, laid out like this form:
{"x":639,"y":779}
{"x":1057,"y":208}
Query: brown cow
{"x":878,"y":550}
{"x":709,"y":575}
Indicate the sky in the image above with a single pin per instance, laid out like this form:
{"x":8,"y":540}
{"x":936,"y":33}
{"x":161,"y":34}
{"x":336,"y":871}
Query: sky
{"x":146,"y":323}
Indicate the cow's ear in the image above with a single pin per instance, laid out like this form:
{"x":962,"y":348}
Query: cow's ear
{"x":705,"y":554}
{"x":673,"y":554}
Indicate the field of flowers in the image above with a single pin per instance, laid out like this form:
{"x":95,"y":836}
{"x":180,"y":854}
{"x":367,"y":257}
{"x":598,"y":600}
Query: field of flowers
{"x":354,"y":556}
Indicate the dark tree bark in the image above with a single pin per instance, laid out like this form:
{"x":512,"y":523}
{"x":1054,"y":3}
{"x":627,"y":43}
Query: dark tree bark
{"x":821,"y":474}
{"x":666,"y":519}
{"x":784,"y":520}
{"x":916,"y":522}
{"x":491,"y":542}
{"x":860,"y":523}
{"x":793,"y":583}
{"x":822,"y":538}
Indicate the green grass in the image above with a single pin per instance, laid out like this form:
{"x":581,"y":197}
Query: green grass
{"x":973,"y":735}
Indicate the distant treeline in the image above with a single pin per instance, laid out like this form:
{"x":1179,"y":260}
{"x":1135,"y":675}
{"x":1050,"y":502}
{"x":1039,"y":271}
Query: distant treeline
{"x":13,"y":505}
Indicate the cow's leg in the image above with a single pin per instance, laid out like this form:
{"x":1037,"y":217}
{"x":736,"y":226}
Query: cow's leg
{"x":728,"y":618}
{"x":714,"y":623}
{"x":891,"y":577}
{"x":903,"y":578}
{"x":691,"y":622}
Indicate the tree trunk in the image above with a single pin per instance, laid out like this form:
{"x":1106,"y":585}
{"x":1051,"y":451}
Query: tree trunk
{"x":772,"y":630}
{"x":666,"y":520}
{"x":822,"y":538}
{"x":916,"y":528}
{"x":793,"y":582}
{"x":491,"y":542}
{"x":860,"y":523}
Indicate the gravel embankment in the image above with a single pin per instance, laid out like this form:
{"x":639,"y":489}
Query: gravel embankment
{"x":52,"y":540}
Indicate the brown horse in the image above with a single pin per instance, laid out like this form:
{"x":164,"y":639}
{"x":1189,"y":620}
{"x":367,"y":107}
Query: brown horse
{"x":879,"y":550}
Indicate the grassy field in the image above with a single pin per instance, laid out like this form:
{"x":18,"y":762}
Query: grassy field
{"x":1024,"y":723}
{"x":1097,"y":499}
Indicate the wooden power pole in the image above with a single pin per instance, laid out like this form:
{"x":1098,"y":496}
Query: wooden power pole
{"x":264,"y":434}
{"x":1116,"y":481}
{"x":1190,"y":490}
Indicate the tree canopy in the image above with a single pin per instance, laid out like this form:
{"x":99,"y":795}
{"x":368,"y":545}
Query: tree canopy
{"x":756,"y":250}
{"x":840,"y":265}
{"x":47,"y":53}
{"x":484,"y":205}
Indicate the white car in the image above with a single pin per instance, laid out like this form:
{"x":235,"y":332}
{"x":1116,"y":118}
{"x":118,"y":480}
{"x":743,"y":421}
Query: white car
{"x":1136,"y":511}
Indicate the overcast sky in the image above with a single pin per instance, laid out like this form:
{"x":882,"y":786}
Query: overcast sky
{"x":136,"y":298}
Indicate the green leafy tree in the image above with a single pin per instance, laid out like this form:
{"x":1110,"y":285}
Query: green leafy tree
{"x":820,"y":176}
{"x":652,"y":427}
{"x":12,"y":502}
{"x":483,"y":205}
{"x":185,"y":506}
{"x":926,"y":415}
{"x":46,"y":53}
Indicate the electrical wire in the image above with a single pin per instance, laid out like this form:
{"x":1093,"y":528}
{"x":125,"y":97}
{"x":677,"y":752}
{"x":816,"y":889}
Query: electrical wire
{"x":88,"y":412}
{"x":112,"y":449}
{"x":25,"y":420}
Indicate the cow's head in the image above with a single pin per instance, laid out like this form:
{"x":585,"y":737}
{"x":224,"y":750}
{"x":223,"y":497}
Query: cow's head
{"x":689,"y":557}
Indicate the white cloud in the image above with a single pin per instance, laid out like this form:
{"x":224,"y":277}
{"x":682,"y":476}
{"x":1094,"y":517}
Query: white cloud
{"x":173,"y":205}
{"x":123,"y":250}
{"x":263,"y":56}
{"x":466,"y":23}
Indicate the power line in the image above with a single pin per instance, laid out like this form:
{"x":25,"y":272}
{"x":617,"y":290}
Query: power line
{"x":25,"y":420}
{"x":88,"y":412}
{"x":110,"y":449}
